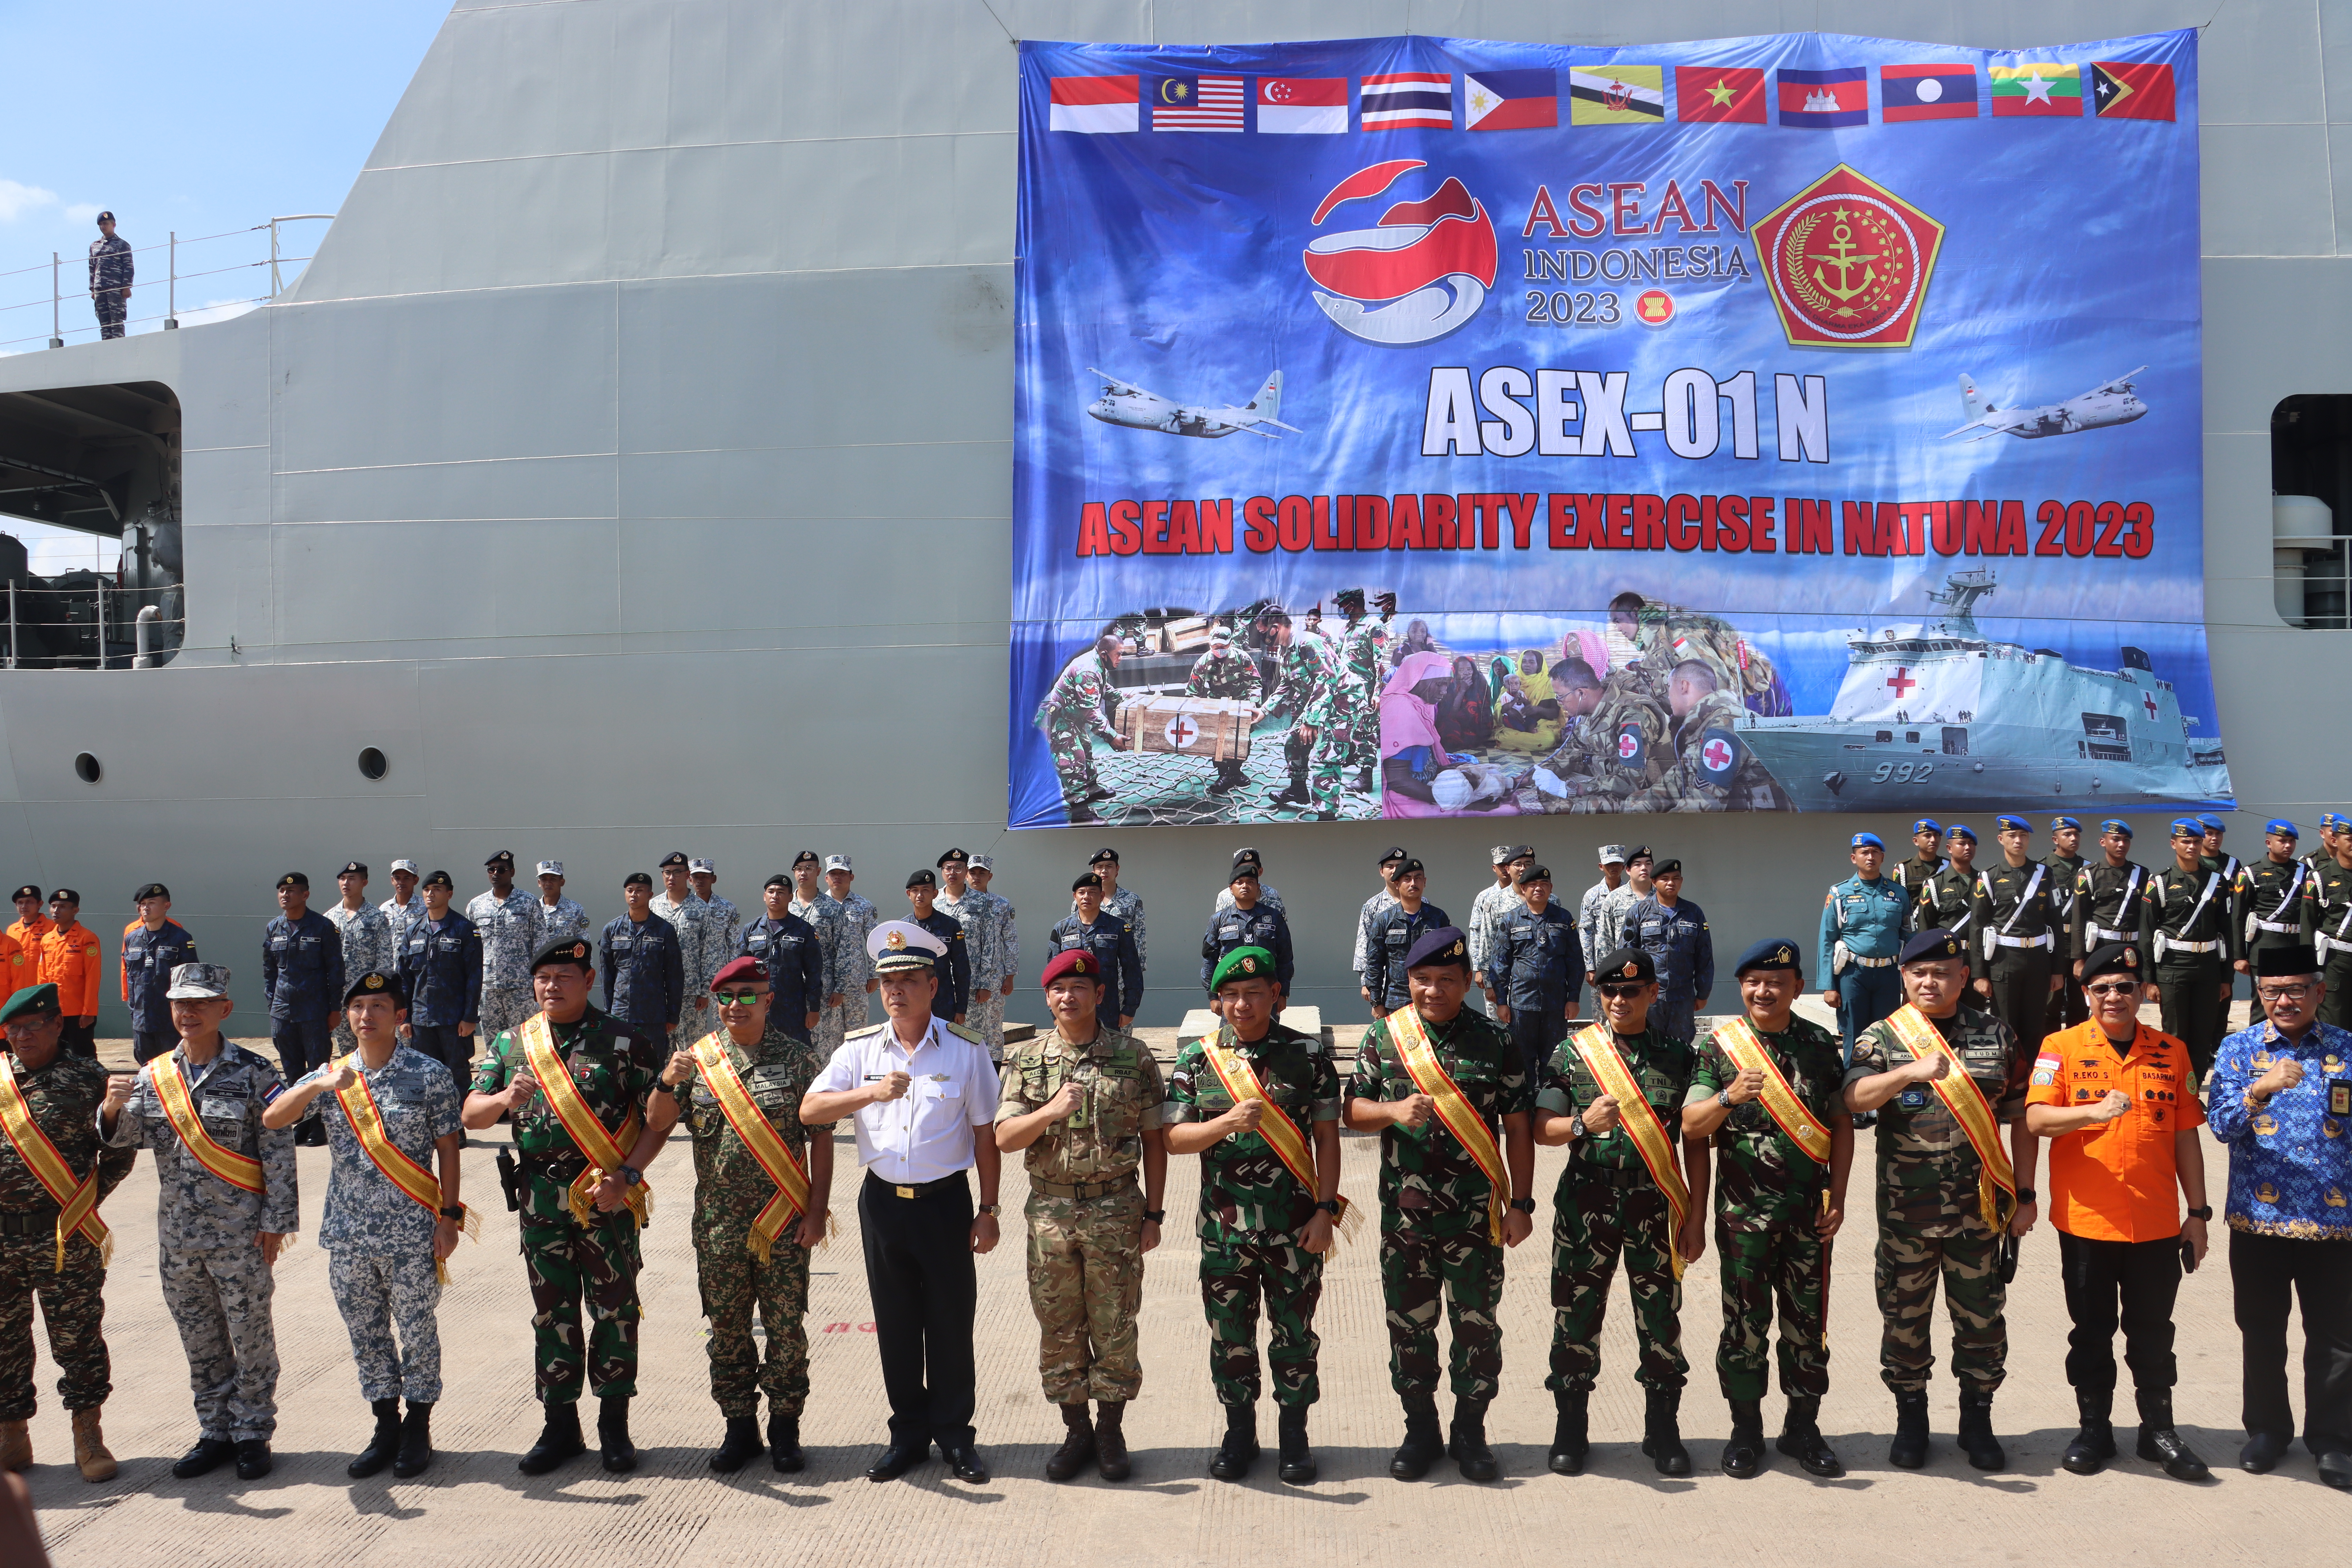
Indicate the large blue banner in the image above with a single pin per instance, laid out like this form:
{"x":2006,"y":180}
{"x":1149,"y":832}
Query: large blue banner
{"x":1424,"y":427}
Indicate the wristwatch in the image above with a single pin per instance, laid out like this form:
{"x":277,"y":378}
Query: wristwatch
{"x":1723,"y":1098}
{"x":1576,"y":1126}
{"x":457,"y":1211}
{"x":1157,"y":1216}
{"x":2028,"y":1195}
{"x":989,"y":1209}
{"x":1330,"y":1207}
{"x":1525,"y":1206}
{"x":2204,"y":1213}
{"x":631,"y":1177}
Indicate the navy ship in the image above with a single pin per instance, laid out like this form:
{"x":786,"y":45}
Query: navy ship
{"x":1936,"y":714}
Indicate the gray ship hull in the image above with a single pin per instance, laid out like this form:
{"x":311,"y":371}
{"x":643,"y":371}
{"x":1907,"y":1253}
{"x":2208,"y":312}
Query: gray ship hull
{"x":1849,"y":768}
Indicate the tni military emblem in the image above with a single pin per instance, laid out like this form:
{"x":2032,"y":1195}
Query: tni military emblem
{"x":1847,"y":262}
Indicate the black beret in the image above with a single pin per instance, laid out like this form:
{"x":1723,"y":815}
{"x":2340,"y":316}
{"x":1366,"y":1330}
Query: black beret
{"x":571,"y":949}
{"x":1408,"y":868}
{"x":808,"y":855}
{"x":1933,"y":943}
{"x":1627,"y":963}
{"x":1533,"y":874}
{"x":952,"y":855}
{"x":2111,"y":958}
{"x":638,"y":880}
{"x":291,"y":879}
{"x":1444,"y":945}
{"x":27,"y":891}
{"x":441,"y":878}
{"x":675,"y":857}
{"x":1394,"y":852}
{"x":503,"y":857}
{"x":777,"y":881}
{"x":1665,"y":867}
{"x":354,"y":869}
{"x":68,"y":894}
{"x":1103,"y":854}
{"x":923,"y":878}
{"x":1085,"y":879}
{"x":151,"y":890}
{"x":1242,"y":868}
{"x":375,"y":983}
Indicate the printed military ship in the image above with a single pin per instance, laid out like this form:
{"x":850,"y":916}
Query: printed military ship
{"x":1937,"y":713}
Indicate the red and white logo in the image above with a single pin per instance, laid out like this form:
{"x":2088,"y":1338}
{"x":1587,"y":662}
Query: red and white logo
{"x":1628,"y":744}
{"x":1653,"y":308}
{"x":1420,"y":271}
{"x":1181,"y":731}
{"x":1716,"y":754}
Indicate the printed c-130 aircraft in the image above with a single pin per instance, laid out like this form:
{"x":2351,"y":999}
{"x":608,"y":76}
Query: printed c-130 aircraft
{"x":2109,"y":403}
{"x":1123,"y":402}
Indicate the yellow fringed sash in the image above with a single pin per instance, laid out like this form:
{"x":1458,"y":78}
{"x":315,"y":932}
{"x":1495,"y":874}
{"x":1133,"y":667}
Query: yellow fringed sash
{"x":1995,"y":1177}
{"x":415,"y":1183}
{"x":1281,"y":1133}
{"x":766,"y":1145}
{"x":1419,"y":1056}
{"x":606,"y":1154}
{"x":77,"y":1201}
{"x":1597,"y":1045}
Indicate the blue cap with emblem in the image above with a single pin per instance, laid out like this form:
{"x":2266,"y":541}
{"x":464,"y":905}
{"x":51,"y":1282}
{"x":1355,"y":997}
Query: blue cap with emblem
{"x":1447,"y":944}
{"x":1933,"y":943}
{"x":2011,"y":825}
{"x":1926,"y":824}
{"x":2210,"y":823}
{"x":1867,"y":841}
{"x":2281,"y":828}
{"x":2188,"y":828}
{"x":2332,"y":819}
{"x":1772,"y":953}
{"x":2116,"y":825}
{"x":1961,"y":830}
{"x":2058,"y":822}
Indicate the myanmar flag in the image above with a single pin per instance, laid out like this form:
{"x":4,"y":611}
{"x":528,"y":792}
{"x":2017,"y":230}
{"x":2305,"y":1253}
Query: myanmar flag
{"x":2120,"y":90}
{"x":2037,"y":91}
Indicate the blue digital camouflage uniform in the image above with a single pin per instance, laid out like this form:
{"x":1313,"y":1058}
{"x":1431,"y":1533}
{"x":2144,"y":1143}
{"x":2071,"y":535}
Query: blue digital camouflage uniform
{"x":858,"y":918}
{"x":148,"y":960}
{"x":645,"y":973}
{"x":302,"y":975}
{"x":112,"y":270}
{"x":63,"y":1098}
{"x":563,"y":917}
{"x":1679,"y":943}
{"x":511,"y":933}
{"x":207,"y":1253}
{"x":1486,"y":912}
{"x":1389,"y":936}
{"x":1373,"y":906}
{"x":379,"y":1240}
{"x":725,"y":923}
{"x":825,"y":915}
{"x":690,"y":918}
{"x":400,"y":916}
{"x":367,"y":945}
{"x":983,"y":1006}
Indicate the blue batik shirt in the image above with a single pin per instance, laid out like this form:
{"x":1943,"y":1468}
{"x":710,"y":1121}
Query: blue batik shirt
{"x":2290,"y":1159}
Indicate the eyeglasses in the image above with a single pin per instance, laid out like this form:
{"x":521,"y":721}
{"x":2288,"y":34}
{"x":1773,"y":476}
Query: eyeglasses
{"x":738,"y":998}
{"x":2120,"y":988}
{"x":2285,"y":993}
{"x":1618,"y":993}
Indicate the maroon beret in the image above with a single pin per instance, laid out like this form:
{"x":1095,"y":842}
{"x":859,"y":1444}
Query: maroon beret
{"x":744,"y":968}
{"x":1075,"y":961}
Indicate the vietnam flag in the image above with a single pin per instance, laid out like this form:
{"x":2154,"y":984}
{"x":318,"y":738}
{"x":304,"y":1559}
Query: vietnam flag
{"x":2124,"y":90}
{"x":1728,"y":94}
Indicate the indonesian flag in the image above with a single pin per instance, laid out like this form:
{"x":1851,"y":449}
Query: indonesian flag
{"x":1096,"y":105}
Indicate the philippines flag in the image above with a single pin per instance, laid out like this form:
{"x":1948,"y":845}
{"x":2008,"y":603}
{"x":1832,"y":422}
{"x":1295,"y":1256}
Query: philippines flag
{"x":1926,"y":92}
{"x":1403,"y":100}
{"x":1095,"y":104}
{"x":1509,"y":100}
{"x":1196,"y":103}
{"x":1825,"y":99}
{"x":1302,"y":106}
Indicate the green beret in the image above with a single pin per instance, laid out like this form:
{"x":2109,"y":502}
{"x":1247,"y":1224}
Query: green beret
{"x":1243,"y":964}
{"x":33,"y":1001}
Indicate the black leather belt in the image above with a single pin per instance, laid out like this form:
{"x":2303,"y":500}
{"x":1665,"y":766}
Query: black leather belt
{"x":562,"y":1167}
{"x":29,"y":1222}
{"x":1635,"y":1175}
{"x":915,"y":1189}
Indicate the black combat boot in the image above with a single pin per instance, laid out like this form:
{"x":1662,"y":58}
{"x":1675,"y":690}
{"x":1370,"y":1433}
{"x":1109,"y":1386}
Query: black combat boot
{"x":1983,"y":1449}
{"x":1467,"y":1442}
{"x":1077,"y":1444}
{"x":1800,"y":1437}
{"x":253,"y":1460}
{"x":1909,"y":1451}
{"x":2095,"y":1445}
{"x":382,"y":1445}
{"x":1743,"y":1455}
{"x":784,"y":1454}
{"x":738,"y":1448}
{"x":1233,"y":1456}
{"x":415,"y":1441}
{"x":1423,"y":1443}
{"x":2160,"y":1443}
{"x":1662,"y":1437}
{"x":1297,"y":793}
{"x":559,"y":1439}
{"x":1570,"y":1446}
{"x":1111,"y":1462}
{"x":613,"y":1434}
{"x":1296,"y":1459}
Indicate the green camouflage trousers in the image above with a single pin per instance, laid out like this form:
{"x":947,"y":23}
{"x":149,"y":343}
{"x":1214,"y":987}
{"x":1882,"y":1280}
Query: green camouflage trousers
{"x":1761,"y":1267}
{"x":1072,"y":747}
{"x":566,"y":1263}
{"x":1085,"y":1284}
{"x":1968,"y":1263}
{"x":1236,"y":1278}
{"x":733,"y":1282}
{"x":73,"y":1304}
{"x":1594,"y":1222}
{"x":1466,"y":1267}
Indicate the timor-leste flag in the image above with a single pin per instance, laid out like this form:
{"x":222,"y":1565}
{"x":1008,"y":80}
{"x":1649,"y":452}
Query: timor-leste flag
{"x":1719,"y":95}
{"x":2036,"y":90}
{"x":2121,"y":89}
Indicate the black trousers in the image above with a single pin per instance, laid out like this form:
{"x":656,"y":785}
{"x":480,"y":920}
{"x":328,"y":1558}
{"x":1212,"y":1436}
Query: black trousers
{"x":2194,"y":992}
{"x":2130,"y":1283}
{"x":302,"y":1044}
{"x":80,"y":1039}
{"x":2020,"y":991}
{"x":2262,"y":1270}
{"x":445,"y":1045}
{"x":1536,"y":1031}
{"x":2335,"y":1008}
{"x":146,"y":1045}
{"x":919,"y":1275}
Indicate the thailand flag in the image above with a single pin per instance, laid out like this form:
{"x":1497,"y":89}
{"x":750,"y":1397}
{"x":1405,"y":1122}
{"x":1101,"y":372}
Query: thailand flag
{"x":1825,"y":99}
{"x":1407,"y":101}
{"x":1096,"y":104}
{"x":1302,"y":106}
{"x":1510,"y":100}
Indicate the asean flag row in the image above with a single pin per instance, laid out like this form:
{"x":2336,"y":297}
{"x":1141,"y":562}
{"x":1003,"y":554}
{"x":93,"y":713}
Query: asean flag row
{"x":1820,"y":99}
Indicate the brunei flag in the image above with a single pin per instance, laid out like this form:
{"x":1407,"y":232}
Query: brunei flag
{"x":1618,"y":95}
{"x":2036,"y":90}
{"x":2123,"y":90}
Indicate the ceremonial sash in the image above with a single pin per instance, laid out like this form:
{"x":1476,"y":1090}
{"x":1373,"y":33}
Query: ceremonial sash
{"x":77,"y":1201}
{"x":1281,"y":1133}
{"x":180,"y":1109}
{"x":606,"y":1154}
{"x":1804,"y":1129}
{"x":1962,"y":1097}
{"x":1598,"y":1045}
{"x":760,"y":1137}
{"x":415,"y":1183}
{"x":1419,"y":1056}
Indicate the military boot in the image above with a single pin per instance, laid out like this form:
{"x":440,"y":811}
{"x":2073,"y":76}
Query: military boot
{"x":1743,"y":1455}
{"x":1983,"y":1449}
{"x":1080,"y":815}
{"x":416,"y":1455}
{"x":1908,"y":1450}
{"x":1800,"y":1437}
{"x":1662,"y":1437}
{"x":1467,"y":1442}
{"x":1297,"y":793}
{"x":89,"y":1447}
{"x":784,"y":1454}
{"x":738,"y":1448}
{"x":613,"y":1434}
{"x":1423,"y":1443}
{"x":1077,"y":1444}
{"x":2160,"y":1443}
{"x":1296,"y":1459}
{"x":15,"y":1445}
{"x":559,"y":1439}
{"x":382,"y":1445}
{"x":1111,"y":1462}
{"x":208,"y":1455}
{"x":253,"y":1459}
{"x":1570,"y":1446}
{"x":1235,"y":1455}
{"x":2095,"y":1444}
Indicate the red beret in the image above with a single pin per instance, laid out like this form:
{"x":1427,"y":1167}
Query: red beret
{"x":1075,"y":961}
{"x":741,"y":969}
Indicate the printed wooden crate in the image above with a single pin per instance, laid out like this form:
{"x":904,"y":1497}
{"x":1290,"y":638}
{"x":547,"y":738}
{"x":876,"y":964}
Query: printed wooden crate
{"x":1216,"y":728}
{"x":1190,"y":635}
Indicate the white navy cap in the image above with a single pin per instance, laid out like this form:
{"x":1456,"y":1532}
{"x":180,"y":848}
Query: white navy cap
{"x":837,"y":863}
{"x":700,"y":867}
{"x":407,"y":866}
{"x":897,"y":945}
{"x":551,"y":868}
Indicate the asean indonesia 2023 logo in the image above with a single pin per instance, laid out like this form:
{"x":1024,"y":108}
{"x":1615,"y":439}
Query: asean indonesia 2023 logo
{"x":1847,"y":262}
{"x":1421,"y":270}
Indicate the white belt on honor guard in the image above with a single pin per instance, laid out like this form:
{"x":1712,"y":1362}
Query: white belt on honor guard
{"x":2164,"y":944}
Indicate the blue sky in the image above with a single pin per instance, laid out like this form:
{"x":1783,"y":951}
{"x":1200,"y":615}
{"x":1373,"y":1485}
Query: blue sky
{"x":195,"y":115}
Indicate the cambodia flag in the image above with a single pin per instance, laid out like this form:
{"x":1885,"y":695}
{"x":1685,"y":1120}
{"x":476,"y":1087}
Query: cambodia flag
{"x":1825,"y":99}
{"x":1926,"y":92}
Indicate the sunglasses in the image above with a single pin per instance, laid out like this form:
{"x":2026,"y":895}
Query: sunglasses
{"x":738,"y":998}
{"x":2120,"y":988}
{"x":1618,"y":993}
{"x":2285,"y":992}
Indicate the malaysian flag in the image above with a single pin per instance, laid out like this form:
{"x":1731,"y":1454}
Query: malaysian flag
{"x":1404,"y":100}
{"x":1197,"y":103}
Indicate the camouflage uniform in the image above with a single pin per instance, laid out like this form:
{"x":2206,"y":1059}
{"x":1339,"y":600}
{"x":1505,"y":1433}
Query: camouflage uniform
{"x":1930,"y":1223}
{"x":1744,"y":671}
{"x":1307,"y":687}
{"x":858,"y":918}
{"x":215,"y":1281}
{"x":1618,"y":751}
{"x":1768,"y":1197}
{"x":1075,"y":715}
{"x":1712,"y":769}
{"x":1363,"y":656}
{"x":367,"y":944}
{"x":613,"y":1064}
{"x":63,"y":1098}
{"x":731,"y":1188}
{"x":110,"y":270}
{"x":1253,"y":1213}
{"x":402,"y":917}
{"x":379,"y":1241}
{"x":563,"y":917}
{"x":690,"y":918}
{"x":511,"y":932}
{"x":824,"y":913}
{"x":984,"y":1013}
{"x":1434,"y":1221}
{"x":1085,"y":1209}
{"x":983,"y":1008}
{"x":1608,"y":1203}
{"x":1227,"y":672}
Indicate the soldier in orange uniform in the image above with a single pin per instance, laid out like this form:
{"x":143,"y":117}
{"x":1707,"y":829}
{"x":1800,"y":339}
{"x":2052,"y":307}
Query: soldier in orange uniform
{"x":30,"y":925}
{"x":72,"y":961}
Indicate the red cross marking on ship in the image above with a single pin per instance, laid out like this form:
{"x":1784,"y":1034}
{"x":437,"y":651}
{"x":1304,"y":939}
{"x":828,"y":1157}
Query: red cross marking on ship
{"x":1902,"y":682}
{"x":2147,"y":702}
